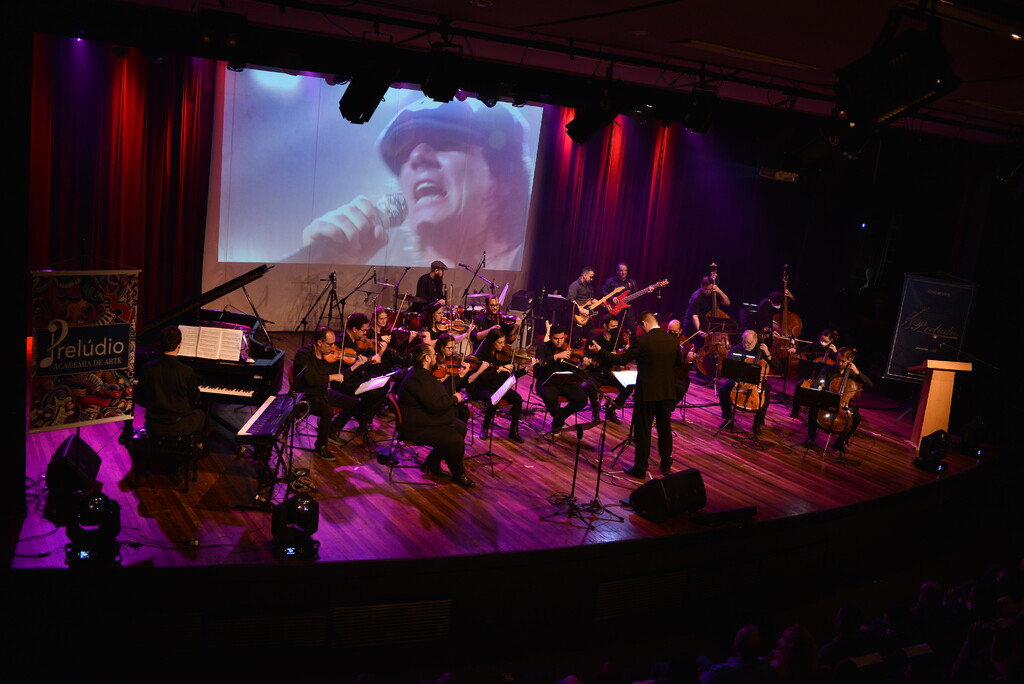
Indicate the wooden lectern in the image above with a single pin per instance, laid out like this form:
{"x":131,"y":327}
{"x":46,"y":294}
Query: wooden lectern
{"x":936,"y":396}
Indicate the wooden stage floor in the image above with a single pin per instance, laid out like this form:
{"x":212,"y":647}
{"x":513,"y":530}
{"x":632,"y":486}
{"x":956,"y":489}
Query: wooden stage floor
{"x":363,"y":516}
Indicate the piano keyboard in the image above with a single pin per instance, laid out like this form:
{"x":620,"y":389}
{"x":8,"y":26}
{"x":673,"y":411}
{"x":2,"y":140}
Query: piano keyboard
{"x":269,"y":420}
{"x":227,"y":391}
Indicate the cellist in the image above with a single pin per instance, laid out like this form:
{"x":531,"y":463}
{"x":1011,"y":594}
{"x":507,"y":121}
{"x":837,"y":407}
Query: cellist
{"x":848,"y":401}
{"x":752,"y":350}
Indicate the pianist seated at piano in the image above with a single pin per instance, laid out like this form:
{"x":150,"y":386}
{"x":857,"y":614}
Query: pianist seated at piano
{"x":313,"y":371}
{"x":169,"y":391}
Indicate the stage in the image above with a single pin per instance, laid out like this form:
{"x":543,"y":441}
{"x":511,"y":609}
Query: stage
{"x":430,"y":565}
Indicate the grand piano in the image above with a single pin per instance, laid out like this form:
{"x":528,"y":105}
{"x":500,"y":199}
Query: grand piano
{"x":249,"y":381}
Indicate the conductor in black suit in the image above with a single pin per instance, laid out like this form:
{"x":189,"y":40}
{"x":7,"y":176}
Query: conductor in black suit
{"x":657,"y":355}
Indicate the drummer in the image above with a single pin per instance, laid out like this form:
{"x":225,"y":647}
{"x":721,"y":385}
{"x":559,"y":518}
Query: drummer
{"x":492,"y":319}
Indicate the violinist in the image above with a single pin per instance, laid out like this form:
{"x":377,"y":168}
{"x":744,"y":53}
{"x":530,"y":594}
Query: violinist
{"x":495,"y":356}
{"x":599,"y":372}
{"x":314,"y":370}
{"x":833,"y":376}
{"x":554,"y":355}
{"x":823,"y":352}
{"x":390,"y":345}
{"x":356,"y":345}
{"x":751,"y":350}
{"x":492,"y":319}
{"x":453,"y":371}
{"x":435,"y":323}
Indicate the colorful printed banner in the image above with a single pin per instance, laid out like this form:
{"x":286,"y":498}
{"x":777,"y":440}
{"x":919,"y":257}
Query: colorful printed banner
{"x":83,"y":347}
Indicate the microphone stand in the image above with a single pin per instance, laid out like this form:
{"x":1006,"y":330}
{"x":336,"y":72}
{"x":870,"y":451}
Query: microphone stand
{"x":331,"y":292}
{"x":344,"y":300}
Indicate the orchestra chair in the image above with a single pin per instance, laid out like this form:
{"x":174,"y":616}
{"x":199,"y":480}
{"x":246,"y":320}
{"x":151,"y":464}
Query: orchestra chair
{"x":611,"y":393}
{"x":306,"y":421}
{"x":397,"y":444}
{"x":157,"y":455}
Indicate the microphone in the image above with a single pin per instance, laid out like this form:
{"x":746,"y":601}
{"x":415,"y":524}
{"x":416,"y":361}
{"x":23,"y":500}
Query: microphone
{"x":393,"y":209}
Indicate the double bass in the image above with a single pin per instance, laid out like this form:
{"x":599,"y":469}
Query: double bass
{"x":786,"y":328}
{"x":716,"y":344}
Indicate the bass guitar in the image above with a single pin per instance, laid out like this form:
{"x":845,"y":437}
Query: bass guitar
{"x":622,"y":301}
{"x":587,"y":310}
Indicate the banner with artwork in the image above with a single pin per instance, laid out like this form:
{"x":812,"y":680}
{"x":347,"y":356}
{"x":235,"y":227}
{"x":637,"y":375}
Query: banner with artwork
{"x":83,"y":347}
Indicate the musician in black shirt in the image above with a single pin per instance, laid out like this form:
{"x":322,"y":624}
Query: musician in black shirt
{"x":751,"y":350}
{"x":312,"y":374}
{"x":599,"y":372}
{"x":554,"y":355}
{"x":496,"y":369}
{"x":169,"y":390}
{"x":430,"y":287}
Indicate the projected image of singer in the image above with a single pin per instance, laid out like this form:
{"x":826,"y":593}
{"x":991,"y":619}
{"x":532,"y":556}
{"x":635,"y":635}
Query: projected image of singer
{"x":464,"y":186}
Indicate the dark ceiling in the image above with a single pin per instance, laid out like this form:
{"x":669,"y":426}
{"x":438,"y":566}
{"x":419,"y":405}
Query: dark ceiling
{"x":781,"y":55}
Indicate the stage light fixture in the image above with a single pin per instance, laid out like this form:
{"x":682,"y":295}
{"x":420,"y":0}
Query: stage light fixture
{"x":489,"y":99}
{"x":701,"y":109}
{"x":932,"y":452}
{"x":93,"y":531}
{"x":592,"y":117}
{"x":293,"y":523}
{"x":896,"y":78}
{"x":441,"y":81}
{"x":364,"y":93}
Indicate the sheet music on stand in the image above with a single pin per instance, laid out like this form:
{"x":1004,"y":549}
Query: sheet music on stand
{"x":505,"y":386}
{"x":375,"y":383}
{"x":626,"y":377}
{"x":204,"y":342}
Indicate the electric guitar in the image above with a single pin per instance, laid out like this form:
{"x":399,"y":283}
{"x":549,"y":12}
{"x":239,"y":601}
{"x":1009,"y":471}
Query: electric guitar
{"x":587,"y":310}
{"x":621,"y":302}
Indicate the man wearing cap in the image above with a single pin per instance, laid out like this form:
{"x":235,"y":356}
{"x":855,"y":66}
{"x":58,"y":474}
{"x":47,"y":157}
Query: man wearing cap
{"x":430,"y":287}
{"x":464,"y":182}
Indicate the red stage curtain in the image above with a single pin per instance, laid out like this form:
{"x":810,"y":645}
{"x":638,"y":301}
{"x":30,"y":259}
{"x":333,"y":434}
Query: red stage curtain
{"x":120,"y":164}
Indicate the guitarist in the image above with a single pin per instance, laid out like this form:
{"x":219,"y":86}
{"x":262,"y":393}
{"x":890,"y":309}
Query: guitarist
{"x":622,"y":279}
{"x":581,"y":292}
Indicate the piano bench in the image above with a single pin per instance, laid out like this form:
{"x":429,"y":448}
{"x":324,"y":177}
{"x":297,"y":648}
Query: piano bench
{"x":154,"y":454}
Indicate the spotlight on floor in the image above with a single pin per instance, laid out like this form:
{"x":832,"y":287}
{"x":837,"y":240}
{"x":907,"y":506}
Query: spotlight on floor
{"x":93,"y":533}
{"x":932,"y":453}
{"x":293,"y":523}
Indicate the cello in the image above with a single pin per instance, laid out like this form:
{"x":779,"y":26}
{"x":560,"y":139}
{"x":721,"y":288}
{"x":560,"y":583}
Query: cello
{"x":848,"y":390}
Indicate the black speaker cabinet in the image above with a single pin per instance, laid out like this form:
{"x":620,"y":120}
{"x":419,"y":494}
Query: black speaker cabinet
{"x":73,"y":467}
{"x":661,"y":499}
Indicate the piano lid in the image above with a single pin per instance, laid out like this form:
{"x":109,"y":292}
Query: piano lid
{"x":183,"y":314}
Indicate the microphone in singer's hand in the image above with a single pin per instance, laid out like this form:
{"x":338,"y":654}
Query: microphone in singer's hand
{"x":393,"y":209}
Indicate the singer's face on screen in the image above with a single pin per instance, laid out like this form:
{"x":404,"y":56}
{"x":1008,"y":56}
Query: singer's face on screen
{"x":447,"y":188}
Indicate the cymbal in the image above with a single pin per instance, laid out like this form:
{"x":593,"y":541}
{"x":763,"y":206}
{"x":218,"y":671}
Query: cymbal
{"x":478,"y":294}
{"x":385,"y":284}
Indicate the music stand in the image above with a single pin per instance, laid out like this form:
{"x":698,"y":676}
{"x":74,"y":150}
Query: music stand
{"x":569,"y":507}
{"x":494,"y":399}
{"x":627,"y":378}
{"x":595,"y":505}
{"x":740,"y":371}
